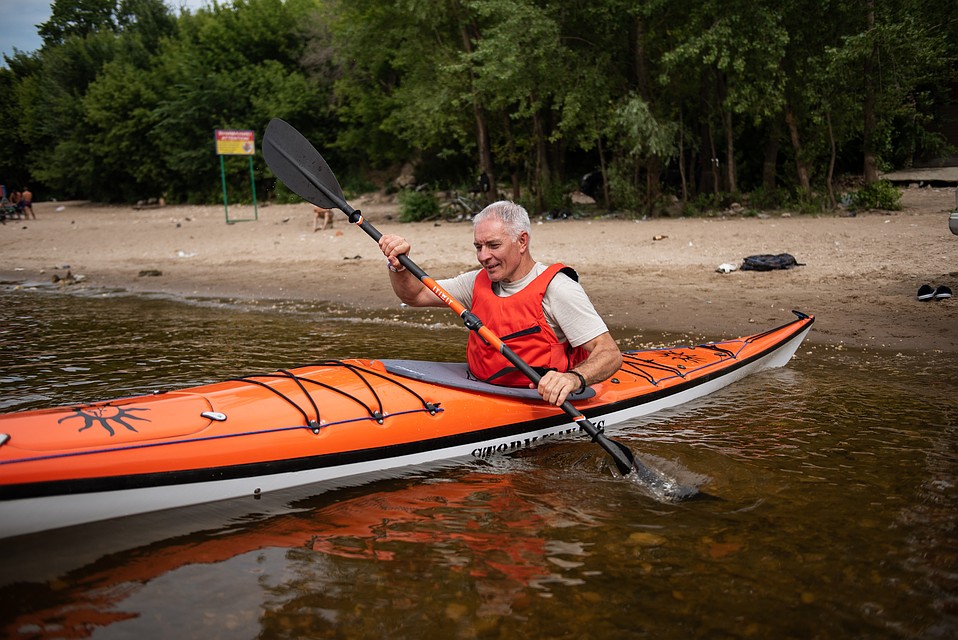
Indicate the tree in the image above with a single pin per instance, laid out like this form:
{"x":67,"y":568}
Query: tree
{"x":78,"y":18}
{"x":16,"y":79}
{"x":397,"y":103}
{"x":52,"y":120}
{"x":737,"y":49}
{"x":122,"y":99}
{"x":890,"y":54}
{"x":642,"y":137}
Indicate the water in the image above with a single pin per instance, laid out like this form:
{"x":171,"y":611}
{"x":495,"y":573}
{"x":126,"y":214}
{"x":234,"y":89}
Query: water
{"x":829,"y":505}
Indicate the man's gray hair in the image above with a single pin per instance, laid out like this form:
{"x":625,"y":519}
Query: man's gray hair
{"x":514,"y":217}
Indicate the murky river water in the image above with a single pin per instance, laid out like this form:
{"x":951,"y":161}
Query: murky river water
{"x":830,"y":506}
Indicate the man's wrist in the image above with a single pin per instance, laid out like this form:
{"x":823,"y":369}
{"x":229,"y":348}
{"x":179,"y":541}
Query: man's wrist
{"x":582,"y":383}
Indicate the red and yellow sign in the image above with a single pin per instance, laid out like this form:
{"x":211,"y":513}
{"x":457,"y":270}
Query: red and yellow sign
{"x":232,"y":142}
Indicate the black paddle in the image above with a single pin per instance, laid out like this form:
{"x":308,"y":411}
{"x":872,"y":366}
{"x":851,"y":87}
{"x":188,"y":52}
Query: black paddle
{"x":298,"y":164}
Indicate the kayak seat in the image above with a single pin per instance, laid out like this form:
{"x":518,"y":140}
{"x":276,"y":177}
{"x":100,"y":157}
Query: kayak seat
{"x":456,"y":374}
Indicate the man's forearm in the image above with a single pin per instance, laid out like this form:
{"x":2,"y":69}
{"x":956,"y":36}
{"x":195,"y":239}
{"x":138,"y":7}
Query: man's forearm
{"x":603,"y":361}
{"x":411,"y":291}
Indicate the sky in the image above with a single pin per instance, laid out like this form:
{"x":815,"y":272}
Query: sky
{"x":19,"y":20}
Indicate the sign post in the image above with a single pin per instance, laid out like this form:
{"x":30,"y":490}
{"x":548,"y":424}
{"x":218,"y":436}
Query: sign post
{"x":233,"y":142}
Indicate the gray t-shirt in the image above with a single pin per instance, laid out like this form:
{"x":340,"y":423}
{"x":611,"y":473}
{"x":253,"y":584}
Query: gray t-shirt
{"x":567,"y":308}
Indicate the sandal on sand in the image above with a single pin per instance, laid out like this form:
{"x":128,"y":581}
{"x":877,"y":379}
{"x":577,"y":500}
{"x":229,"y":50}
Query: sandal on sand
{"x":942,"y":292}
{"x":925,"y":292}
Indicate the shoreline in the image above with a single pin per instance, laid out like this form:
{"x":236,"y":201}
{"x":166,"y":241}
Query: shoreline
{"x":859,"y":278}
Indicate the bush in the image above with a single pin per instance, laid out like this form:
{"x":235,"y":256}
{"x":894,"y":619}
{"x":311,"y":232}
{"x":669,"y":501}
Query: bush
{"x":702,"y":204}
{"x":415,"y":206}
{"x":625,"y":195}
{"x":281,"y":195}
{"x":762,"y":198}
{"x":878,"y":195}
{"x":356,"y":186}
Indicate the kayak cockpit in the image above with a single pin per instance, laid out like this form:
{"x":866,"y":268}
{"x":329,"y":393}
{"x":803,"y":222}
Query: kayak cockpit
{"x":457,"y":376}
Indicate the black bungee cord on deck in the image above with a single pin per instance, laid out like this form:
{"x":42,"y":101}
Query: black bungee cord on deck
{"x":376,"y":414}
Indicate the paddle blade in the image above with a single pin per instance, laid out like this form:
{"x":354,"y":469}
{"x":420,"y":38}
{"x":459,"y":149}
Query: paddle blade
{"x":299,"y":166}
{"x":623,"y":457}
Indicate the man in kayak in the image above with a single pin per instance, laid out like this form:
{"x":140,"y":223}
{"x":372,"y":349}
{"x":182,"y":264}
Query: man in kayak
{"x":541,"y":312}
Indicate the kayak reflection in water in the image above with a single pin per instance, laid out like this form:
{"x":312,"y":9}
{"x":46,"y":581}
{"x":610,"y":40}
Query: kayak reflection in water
{"x":541,"y":312}
{"x":429,"y":529}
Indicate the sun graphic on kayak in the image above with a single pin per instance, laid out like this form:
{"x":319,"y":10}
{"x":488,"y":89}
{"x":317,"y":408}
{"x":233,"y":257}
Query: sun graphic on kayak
{"x":683,"y":357}
{"x":107,"y":416}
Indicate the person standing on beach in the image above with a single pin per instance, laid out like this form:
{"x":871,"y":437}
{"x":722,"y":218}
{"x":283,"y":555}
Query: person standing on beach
{"x":542,"y":312}
{"x":26,"y":203}
{"x":327,"y":218}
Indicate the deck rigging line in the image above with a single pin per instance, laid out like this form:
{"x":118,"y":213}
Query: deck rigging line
{"x":378,"y":414}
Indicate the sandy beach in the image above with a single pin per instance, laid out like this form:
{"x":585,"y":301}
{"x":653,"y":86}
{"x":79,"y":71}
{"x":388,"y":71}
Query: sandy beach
{"x":860,"y":274}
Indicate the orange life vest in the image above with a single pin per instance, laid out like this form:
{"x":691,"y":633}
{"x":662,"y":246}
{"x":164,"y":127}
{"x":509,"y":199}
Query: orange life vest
{"x":520,"y":322}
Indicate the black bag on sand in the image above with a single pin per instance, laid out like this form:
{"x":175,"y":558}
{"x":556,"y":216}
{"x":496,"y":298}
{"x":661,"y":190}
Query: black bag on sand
{"x":769,"y":262}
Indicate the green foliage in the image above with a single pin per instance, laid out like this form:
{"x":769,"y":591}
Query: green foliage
{"x":279,"y":193}
{"x":78,"y":18}
{"x":415,"y":206}
{"x":765,"y":198}
{"x":640,"y":133}
{"x":626,"y":194}
{"x":122,"y":100}
{"x":703,"y":203}
{"x":741,"y":43}
{"x":355,"y":185}
{"x":878,"y":195}
{"x":12,"y":169}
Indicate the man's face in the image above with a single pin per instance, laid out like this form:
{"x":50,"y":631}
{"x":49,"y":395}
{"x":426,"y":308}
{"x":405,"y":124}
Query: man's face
{"x":498,"y":253}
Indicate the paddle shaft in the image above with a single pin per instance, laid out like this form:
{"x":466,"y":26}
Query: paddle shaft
{"x":621,"y":455}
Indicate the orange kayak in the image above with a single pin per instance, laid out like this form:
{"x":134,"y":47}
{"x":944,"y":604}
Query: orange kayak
{"x":322,"y":424}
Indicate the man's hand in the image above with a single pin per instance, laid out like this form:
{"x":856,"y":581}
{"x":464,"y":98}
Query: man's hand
{"x":406,"y":286}
{"x":555,"y":387}
{"x":603,"y":361}
{"x":392,"y":247}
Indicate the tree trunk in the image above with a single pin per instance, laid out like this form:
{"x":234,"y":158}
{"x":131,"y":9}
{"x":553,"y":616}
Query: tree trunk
{"x":513,"y":166}
{"x":485,"y":154}
{"x":831,"y":162}
{"x":714,"y":161}
{"x":640,"y":64}
{"x":682,"y":176}
{"x":730,"y":175}
{"x":770,"y":163}
{"x":652,"y":163}
{"x":482,"y":126}
{"x":801,"y":168}
{"x":653,"y":167}
{"x":542,"y":172}
{"x":731,"y":182}
{"x":871,"y":120}
{"x":605,"y":178}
